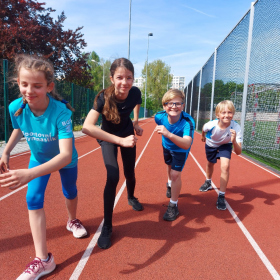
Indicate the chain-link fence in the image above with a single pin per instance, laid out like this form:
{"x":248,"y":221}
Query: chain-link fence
{"x":245,"y":68}
{"x":80,"y":98}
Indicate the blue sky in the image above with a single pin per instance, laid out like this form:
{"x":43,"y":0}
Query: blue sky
{"x":185,"y":32}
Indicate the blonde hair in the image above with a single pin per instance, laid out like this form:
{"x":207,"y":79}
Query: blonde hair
{"x":172,"y":93}
{"x":36,"y":63}
{"x":221,"y":106}
{"x":110,"y":109}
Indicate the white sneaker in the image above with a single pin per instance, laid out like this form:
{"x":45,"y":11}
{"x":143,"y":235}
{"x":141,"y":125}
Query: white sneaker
{"x":37,"y":268}
{"x":77,"y":228}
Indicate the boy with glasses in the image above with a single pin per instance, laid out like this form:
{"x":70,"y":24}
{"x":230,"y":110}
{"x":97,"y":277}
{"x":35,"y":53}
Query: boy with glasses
{"x":177,"y":129}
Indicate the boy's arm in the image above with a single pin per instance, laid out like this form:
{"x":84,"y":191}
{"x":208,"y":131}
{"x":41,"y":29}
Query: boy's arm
{"x":203,"y":138}
{"x":182,"y":142}
{"x":237,"y":146}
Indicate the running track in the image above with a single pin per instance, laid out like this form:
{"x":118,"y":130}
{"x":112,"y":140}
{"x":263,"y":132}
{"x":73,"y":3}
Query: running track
{"x":203,"y":243}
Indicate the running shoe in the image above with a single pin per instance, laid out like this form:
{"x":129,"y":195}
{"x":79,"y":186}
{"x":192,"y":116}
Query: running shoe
{"x":104,"y":240}
{"x":136,"y":205}
{"x":206,"y":186}
{"x":77,"y":228}
{"x":171,"y":213}
{"x":38,"y":268}
{"x":168,"y":191}
{"x":221,"y":204}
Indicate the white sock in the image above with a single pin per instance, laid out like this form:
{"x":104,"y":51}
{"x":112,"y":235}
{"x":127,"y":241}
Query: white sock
{"x":209,"y":180}
{"x":222,"y":193}
{"x":169,"y":183}
{"x":174,"y":202}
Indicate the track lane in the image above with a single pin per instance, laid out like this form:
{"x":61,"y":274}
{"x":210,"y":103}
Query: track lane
{"x":143,"y":244}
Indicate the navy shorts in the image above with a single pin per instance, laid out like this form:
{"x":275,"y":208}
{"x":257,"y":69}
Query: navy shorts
{"x":177,"y":160}
{"x":212,"y":154}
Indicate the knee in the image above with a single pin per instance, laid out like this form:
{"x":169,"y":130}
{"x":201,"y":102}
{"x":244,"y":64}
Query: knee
{"x":175,"y":175}
{"x":113,"y":178}
{"x":225,"y":168}
{"x":34,"y":201}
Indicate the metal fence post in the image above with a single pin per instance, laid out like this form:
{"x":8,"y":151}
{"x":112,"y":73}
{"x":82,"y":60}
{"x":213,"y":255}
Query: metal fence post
{"x":213,"y":85}
{"x":198,"y":103}
{"x":245,"y":87}
{"x":72,"y":102}
{"x":191,"y":99}
{"x":6,"y":99}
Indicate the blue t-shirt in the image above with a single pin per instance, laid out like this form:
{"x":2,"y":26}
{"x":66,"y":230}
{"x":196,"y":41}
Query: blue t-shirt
{"x":42,"y":133}
{"x":183,"y":127}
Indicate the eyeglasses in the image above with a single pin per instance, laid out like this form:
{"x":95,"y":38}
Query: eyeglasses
{"x":176,"y":104}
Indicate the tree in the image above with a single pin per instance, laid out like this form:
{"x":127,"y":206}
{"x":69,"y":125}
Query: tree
{"x":27,"y":27}
{"x":159,"y":78}
{"x":97,"y":66}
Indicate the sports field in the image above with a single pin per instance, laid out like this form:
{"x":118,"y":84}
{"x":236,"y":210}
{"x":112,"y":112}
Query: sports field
{"x":203,"y":243}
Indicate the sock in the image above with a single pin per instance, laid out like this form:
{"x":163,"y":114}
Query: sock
{"x":174,"y":202}
{"x":222,"y":193}
{"x":208,"y":180}
{"x":169,"y":183}
{"x":45,"y":260}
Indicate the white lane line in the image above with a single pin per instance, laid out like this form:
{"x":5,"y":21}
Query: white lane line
{"x":249,"y":237}
{"x":267,"y":170}
{"x":7,"y":195}
{"x":13,"y":192}
{"x":80,"y":266}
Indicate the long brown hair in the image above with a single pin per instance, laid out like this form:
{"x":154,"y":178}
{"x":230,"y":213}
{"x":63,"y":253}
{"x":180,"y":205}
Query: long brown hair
{"x":37,"y":63}
{"x":110,"y":110}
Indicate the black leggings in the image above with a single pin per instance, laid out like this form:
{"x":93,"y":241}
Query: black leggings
{"x":110,"y":153}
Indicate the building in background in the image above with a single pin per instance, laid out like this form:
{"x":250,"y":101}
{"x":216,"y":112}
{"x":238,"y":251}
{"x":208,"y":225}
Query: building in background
{"x":139,"y":82}
{"x":178,"y":82}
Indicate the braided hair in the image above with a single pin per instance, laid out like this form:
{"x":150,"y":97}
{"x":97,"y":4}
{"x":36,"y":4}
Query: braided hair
{"x":37,"y":63}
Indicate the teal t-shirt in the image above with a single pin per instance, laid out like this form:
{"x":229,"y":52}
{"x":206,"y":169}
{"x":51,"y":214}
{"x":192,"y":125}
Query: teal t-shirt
{"x":43,"y":133}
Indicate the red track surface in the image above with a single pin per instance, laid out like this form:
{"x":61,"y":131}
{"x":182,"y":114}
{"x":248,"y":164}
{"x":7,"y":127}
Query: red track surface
{"x":203,"y":243}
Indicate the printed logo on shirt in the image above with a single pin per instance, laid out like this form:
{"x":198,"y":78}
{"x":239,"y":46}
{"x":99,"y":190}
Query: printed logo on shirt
{"x":40,"y":137}
{"x":68,"y":125}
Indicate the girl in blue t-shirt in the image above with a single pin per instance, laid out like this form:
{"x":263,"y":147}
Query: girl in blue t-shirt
{"x":44,"y":119}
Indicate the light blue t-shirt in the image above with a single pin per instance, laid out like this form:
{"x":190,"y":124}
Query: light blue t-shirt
{"x":183,"y":127}
{"x":42,"y":133}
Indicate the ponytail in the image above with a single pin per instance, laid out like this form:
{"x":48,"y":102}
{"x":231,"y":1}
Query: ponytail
{"x":22,"y":106}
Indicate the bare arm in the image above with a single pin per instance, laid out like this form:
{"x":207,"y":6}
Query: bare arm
{"x":137,"y":128}
{"x":182,"y":142}
{"x":19,"y":177}
{"x":92,"y":130}
{"x":237,"y":147}
{"x":14,"y":139}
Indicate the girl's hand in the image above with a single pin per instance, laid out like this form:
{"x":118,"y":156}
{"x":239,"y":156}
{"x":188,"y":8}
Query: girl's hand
{"x":138,"y":129}
{"x":203,"y":138}
{"x":128,"y":141}
{"x":160,"y":129}
{"x":15,"y":178}
{"x":4,"y":163}
{"x":233,"y":135}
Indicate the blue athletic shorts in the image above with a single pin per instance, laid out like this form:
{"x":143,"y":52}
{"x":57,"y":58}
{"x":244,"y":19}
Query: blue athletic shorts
{"x":177,"y":160}
{"x":212,"y":154}
{"x":37,"y":187}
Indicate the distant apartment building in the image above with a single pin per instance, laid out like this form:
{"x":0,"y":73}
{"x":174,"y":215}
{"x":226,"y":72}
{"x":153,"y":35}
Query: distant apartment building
{"x":139,"y":82}
{"x":178,"y":82}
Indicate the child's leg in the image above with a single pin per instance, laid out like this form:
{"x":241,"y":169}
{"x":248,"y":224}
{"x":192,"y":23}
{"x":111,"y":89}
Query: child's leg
{"x":37,"y":220}
{"x":176,"y":184}
{"x":35,"y":202}
{"x":225,"y":162}
{"x":68,"y":180}
{"x":209,"y":170}
{"x":128,"y":158}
